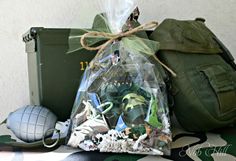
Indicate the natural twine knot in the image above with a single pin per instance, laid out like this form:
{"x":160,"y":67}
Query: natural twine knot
{"x":113,"y":37}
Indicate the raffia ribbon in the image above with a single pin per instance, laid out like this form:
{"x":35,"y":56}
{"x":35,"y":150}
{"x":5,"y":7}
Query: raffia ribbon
{"x":113,"y":37}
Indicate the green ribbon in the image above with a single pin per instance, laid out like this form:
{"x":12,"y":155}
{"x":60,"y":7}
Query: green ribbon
{"x":100,"y":36}
{"x":138,"y":43}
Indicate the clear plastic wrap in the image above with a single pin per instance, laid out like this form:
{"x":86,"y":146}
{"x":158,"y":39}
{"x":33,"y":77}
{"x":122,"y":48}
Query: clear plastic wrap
{"x":117,"y":12}
{"x":121,"y":103}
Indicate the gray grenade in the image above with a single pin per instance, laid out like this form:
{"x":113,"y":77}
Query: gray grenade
{"x":31,"y":123}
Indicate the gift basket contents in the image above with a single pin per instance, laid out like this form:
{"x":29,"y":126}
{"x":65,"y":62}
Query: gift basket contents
{"x":121,"y":104}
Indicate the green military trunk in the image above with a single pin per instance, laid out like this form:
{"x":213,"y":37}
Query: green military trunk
{"x":54,"y":75}
{"x":204,"y":90}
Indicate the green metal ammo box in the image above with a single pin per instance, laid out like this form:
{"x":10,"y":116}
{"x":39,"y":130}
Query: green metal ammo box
{"x":54,"y":75}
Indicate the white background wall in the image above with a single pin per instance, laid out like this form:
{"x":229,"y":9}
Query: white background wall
{"x":16,"y":17}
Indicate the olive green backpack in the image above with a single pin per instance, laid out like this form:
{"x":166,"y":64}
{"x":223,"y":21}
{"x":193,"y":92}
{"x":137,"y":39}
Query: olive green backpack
{"x":204,"y":91}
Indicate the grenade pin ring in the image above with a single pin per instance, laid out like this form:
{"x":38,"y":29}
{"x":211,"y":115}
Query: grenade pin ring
{"x":53,"y":144}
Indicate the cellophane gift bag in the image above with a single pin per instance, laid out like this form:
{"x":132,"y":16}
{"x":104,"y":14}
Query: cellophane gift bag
{"x":121,"y":104}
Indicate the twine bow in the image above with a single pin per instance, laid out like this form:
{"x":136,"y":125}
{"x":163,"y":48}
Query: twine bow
{"x":113,"y":37}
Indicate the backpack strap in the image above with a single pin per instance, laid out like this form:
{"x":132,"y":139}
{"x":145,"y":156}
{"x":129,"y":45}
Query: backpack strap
{"x":226,"y":54}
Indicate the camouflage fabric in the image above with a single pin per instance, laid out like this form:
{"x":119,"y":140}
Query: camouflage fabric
{"x":215,"y":146}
